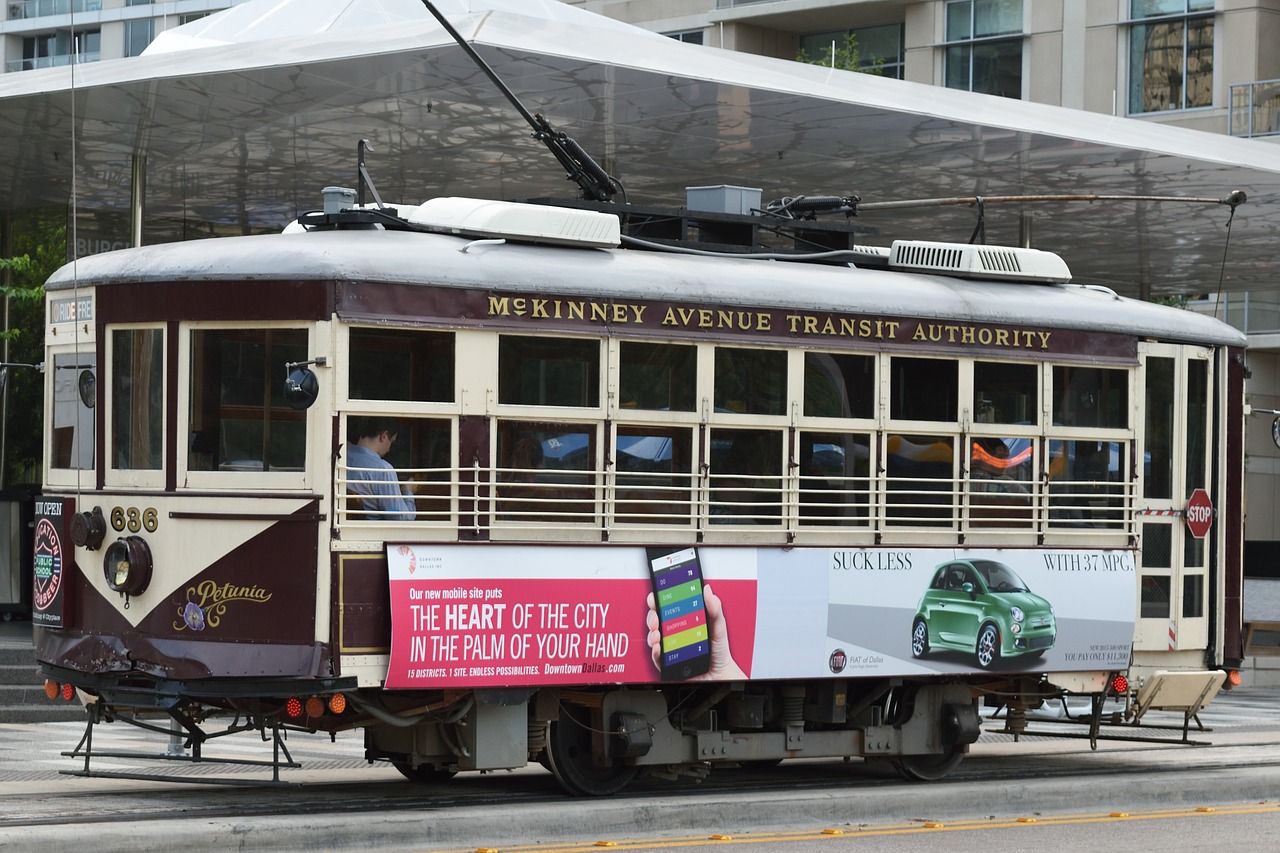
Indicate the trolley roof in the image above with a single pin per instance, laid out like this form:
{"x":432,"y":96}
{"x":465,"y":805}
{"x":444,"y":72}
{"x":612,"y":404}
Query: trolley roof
{"x":362,"y":256}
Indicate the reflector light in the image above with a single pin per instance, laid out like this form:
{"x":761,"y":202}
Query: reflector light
{"x":1119,"y":684}
{"x":315,"y":706}
{"x":1233,"y":678}
{"x":293,"y":707}
{"x":52,"y":688}
{"x":68,"y":692}
{"x":337,"y":703}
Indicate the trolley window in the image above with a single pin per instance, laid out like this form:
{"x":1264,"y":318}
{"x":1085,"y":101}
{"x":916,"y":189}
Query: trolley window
{"x":835,"y":478}
{"x":137,"y":396}
{"x":71,"y":436}
{"x":239,"y":420}
{"x":1090,"y":397}
{"x":658,"y":377}
{"x":546,"y":472}
{"x":403,"y":365}
{"x":1156,"y":593}
{"x":418,"y":485}
{"x":921,"y":480}
{"x":751,"y":381}
{"x":654,"y":483}
{"x":746,"y":476}
{"x":1005,"y":393}
{"x":923,"y":389}
{"x":1197,"y":419}
{"x":839,"y":386}
{"x":1159,"y":423}
{"x":548,"y":372}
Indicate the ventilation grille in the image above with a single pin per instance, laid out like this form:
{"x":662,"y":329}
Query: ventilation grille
{"x":963,"y":259}
{"x":998,"y":260}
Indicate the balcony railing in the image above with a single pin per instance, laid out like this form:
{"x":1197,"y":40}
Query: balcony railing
{"x":21,"y":9}
{"x":1255,"y":109}
{"x":50,"y":61}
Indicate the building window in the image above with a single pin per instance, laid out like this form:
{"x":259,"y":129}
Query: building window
{"x":137,"y":35}
{"x":1170,"y":55}
{"x":687,"y":36}
{"x":984,"y":46}
{"x":55,"y":49}
{"x":877,"y":50}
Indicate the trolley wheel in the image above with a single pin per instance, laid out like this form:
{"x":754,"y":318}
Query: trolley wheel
{"x":988,"y":649}
{"x":423,"y":774}
{"x":569,"y":756}
{"x":928,"y":768}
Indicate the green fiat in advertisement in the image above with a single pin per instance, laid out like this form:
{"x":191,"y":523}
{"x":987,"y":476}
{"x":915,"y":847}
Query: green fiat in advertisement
{"x":982,"y":607}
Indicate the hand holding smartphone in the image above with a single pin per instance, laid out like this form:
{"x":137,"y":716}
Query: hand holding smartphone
{"x":682,"y":613}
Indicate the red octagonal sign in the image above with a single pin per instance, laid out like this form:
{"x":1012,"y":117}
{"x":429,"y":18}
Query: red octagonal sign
{"x":1199,"y":513}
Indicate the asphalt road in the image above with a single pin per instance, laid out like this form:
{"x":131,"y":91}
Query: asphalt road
{"x":336,"y":801}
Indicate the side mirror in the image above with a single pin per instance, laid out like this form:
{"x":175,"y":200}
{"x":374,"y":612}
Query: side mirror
{"x":87,"y":386}
{"x":301,"y":388}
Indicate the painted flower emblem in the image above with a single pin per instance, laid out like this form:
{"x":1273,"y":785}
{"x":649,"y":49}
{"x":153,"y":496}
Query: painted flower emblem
{"x":193,"y":616}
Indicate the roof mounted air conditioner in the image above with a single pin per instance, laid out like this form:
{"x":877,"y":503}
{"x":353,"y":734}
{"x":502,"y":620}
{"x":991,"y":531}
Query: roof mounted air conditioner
{"x":967,"y":260}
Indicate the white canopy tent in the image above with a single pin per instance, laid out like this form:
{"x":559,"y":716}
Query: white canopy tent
{"x":242,"y":117}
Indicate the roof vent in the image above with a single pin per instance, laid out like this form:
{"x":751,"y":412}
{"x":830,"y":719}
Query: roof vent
{"x":530,"y":223}
{"x":971,"y":261}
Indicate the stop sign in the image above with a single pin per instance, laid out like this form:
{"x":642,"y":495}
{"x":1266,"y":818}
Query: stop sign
{"x":1199,"y":513}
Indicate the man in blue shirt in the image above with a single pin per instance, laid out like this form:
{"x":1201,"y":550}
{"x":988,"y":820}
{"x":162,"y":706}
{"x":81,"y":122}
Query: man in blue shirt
{"x":372,"y":477}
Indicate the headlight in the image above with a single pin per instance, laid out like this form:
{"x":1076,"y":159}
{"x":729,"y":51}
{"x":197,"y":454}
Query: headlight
{"x":1016,"y":614}
{"x":127,"y":565}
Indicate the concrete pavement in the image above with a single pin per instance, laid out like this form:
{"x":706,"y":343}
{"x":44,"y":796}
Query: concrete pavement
{"x":343,"y":803}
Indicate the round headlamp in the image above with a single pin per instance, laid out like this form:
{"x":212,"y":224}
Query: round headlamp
{"x":127,"y":565}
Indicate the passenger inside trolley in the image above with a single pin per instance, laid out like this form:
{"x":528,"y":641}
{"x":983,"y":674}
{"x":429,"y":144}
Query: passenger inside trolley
{"x":370,"y":478}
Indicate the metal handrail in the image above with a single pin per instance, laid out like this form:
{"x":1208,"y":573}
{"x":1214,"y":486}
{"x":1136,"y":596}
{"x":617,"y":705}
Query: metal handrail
{"x":514,"y":499}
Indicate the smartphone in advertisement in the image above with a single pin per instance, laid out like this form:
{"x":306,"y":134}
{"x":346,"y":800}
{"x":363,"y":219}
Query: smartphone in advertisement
{"x":682,"y":612}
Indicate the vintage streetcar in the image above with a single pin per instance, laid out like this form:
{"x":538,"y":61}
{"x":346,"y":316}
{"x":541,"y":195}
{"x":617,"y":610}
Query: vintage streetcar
{"x":501,"y":483}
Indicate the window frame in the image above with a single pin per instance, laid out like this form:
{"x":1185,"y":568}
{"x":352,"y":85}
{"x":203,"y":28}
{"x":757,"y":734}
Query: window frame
{"x":1134,"y":88}
{"x":189,"y":479}
{"x":948,"y":44}
{"x":83,"y":477}
{"x":152,"y":478}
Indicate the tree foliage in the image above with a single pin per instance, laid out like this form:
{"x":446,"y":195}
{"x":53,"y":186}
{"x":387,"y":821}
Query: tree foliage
{"x":844,"y":55}
{"x":39,"y":248}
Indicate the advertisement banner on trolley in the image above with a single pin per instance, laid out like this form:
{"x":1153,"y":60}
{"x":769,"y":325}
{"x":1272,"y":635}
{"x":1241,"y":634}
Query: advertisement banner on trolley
{"x":527,"y":615}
